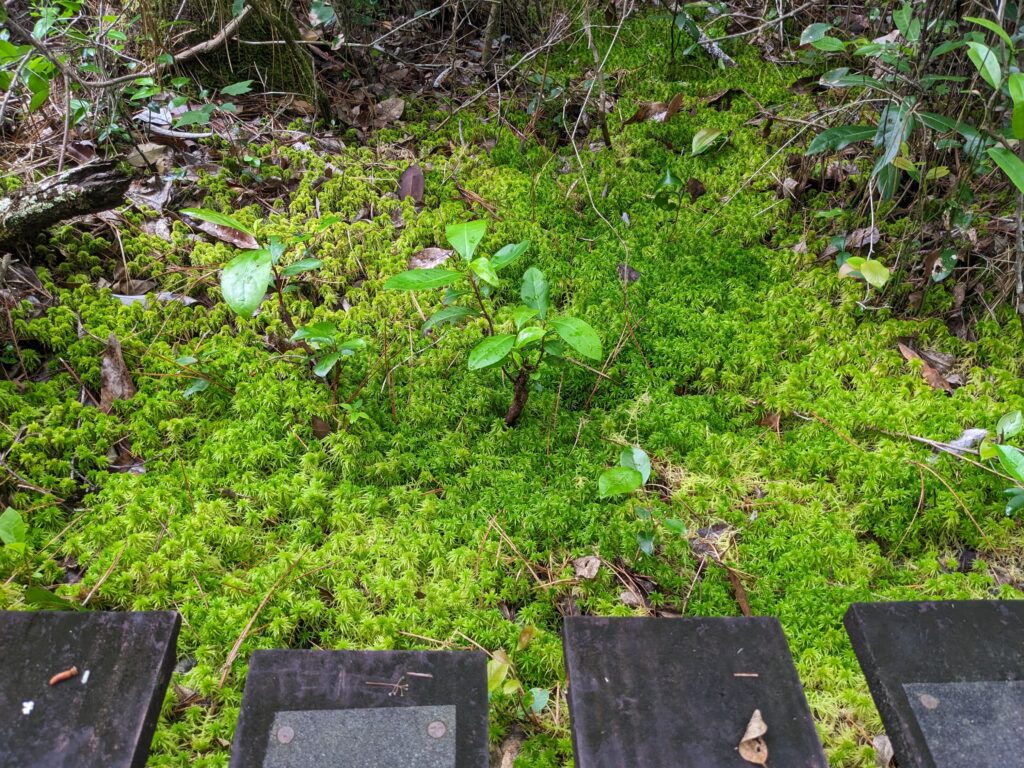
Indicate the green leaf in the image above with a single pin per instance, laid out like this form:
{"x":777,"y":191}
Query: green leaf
{"x":901,"y":18}
{"x":813,"y":33}
{"x":240,"y":88}
{"x":300,"y":266}
{"x":214,"y":217}
{"x":448,"y":315}
{"x":578,"y":335}
{"x":497,"y":670}
{"x":1012,"y":461}
{"x":522,"y":315}
{"x":1017,"y":122}
{"x":874,"y":272}
{"x":840,"y":137}
{"x":194,"y":117}
{"x":1012,"y":165}
{"x":491,"y":351}
{"x":668,"y":186}
{"x":535,"y":291}
{"x":991,"y":26}
{"x":1014,"y":500}
{"x":465,"y":237}
{"x":325,"y":364}
{"x":984,"y":58}
{"x":245,"y":280}
{"x":352,"y":346}
{"x":38,"y":597}
{"x":13,"y":530}
{"x":509,"y":254}
{"x":987,"y":449}
{"x":703,"y":140}
{"x":894,"y":126}
{"x":529,"y":335}
{"x":1015,"y":84}
{"x":830,"y":44}
{"x":483,"y":269}
{"x":322,"y":333}
{"x":636,"y":458}
{"x":646,"y":542}
{"x":419,"y":279}
{"x":1010,"y":425}
{"x":618,"y":481}
{"x":537,"y":699}
{"x":676,"y":526}
{"x":197,"y":386}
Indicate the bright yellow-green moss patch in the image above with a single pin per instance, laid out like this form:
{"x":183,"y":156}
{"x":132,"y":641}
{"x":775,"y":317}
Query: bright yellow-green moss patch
{"x":392,"y":520}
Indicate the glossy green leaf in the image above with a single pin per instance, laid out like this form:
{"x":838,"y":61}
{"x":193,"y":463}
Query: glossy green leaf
{"x":465,"y":237}
{"x":197,"y":386}
{"x":483,"y":269}
{"x":840,"y":137}
{"x":326,"y":364}
{"x":579,"y":335}
{"x":321,"y":333}
{"x":636,"y":458}
{"x":1012,"y":461}
{"x":1014,"y":500}
{"x":491,"y":351}
{"x":509,"y":254}
{"x":676,"y":526}
{"x":1011,"y":165}
{"x":44,"y":599}
{"x":223,"y":219}
{"x":300,"y":266}
{"x":449,"y":315}
{"x":245,"y":279}
{"x":829,"y":44}
{"x":703,"y":140}
{"x":421,"y":279}
{"x":1010,"y":425}
{"x":535,"y":291}
{"x":13,"y":530}
{"x":529,"y":335}
{"x":1015,"y":85}
{"x":814,"y":32}
{"x":497,"y":670}
{"x":991,"y":26}
{"x":522,"y":315}
{"x":537,"y":699}
{"x":618,"y":481}
{"x":984,"y":58}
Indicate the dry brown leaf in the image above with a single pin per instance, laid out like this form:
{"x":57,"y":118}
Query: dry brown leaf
{"x":864,"y":236}
{"x":410,"y":184}
{"x":656,"y":111}
{"x":772,"y":421}
{"x":587,"y":567}
{"x":752,"y":747}
{"x":929,"y":372}
{"x":429,"y":257}
{"x":228,"y":234}
{"x":321,"y":428}
{"x":115,"y":381}
{"x":883,"y":750}
{"x":388,"y":111}
{"x":631,"y":598}
{"x":695,"y":188}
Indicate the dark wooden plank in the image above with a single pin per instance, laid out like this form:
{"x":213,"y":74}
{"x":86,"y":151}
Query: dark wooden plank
{"x":102,"y":717}
{"x":947,"y":678}
{"x":385,"y":709}
{"x":678,"y":693}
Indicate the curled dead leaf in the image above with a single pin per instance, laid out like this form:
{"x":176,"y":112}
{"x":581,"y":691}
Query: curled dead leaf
{"x":227,"y":234}
{"x":864,"y":236}
{"x":753,"y":747}
{"x":929,"y":372}
{"x":587,"y":567}
{"x":115,"y":381}
{"x":429,"y":258}
{"x":656,"y":111}
{"x":410,"y":184}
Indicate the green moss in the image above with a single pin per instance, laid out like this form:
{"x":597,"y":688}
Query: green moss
{"x":393,"y":520}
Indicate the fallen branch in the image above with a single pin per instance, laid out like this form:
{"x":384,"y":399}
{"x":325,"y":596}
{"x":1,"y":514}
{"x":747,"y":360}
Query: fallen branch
{"x":709,"y":46}
{"x":87,"y":189}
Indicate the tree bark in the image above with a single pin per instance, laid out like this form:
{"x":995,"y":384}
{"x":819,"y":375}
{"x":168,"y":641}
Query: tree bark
{"x":77,"y":192}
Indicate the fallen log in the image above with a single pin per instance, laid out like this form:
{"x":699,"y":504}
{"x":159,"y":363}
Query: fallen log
{"x":87,"y":189}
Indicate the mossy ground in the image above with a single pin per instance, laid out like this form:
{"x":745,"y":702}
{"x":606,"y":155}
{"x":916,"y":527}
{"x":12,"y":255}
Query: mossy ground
{"x":384,"y":527}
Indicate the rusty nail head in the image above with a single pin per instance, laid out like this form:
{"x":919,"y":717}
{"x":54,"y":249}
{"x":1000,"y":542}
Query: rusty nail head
{"x":437,"y":729}
{"x":285,"y":734}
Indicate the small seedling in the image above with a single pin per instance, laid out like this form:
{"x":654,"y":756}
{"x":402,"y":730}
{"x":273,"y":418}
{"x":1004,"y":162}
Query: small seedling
{"x":325,"y":339}
{"x":540,"y":337}
{"x":629,"y":478}
{"x":246,"y":279}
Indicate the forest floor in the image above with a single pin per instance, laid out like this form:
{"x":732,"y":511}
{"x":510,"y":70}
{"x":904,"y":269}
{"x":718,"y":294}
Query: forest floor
{"x":771,"y":395}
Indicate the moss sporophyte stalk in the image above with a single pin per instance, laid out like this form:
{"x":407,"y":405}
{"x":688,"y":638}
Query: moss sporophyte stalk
{"x":358,"y":431}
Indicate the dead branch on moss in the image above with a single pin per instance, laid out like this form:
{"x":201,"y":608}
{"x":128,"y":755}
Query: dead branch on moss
{"x":80,"y":191}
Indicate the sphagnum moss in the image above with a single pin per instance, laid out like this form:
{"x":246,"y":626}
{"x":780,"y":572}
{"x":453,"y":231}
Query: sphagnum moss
{"x":392,"y":520}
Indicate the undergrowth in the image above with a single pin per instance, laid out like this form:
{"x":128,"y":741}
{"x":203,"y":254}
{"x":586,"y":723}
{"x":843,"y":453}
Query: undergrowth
{"x":388,"y":532}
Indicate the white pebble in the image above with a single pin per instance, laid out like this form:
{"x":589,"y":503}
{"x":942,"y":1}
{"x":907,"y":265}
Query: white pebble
{"x":27,"y":707}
